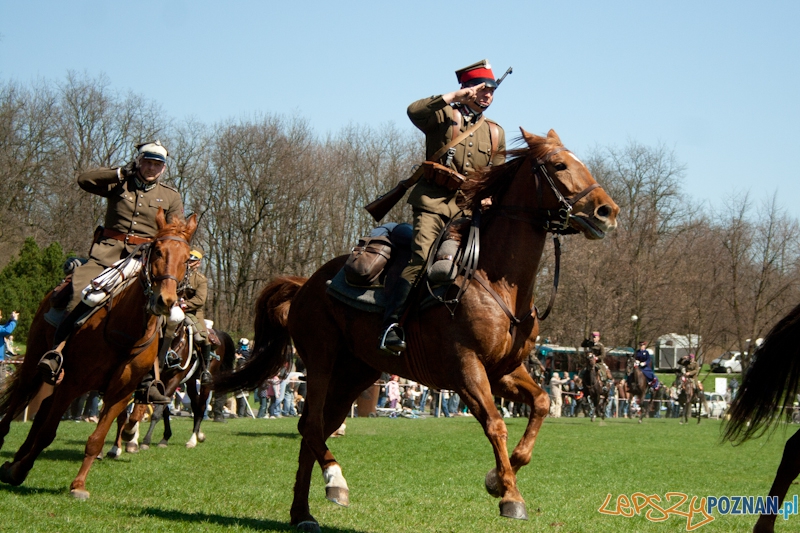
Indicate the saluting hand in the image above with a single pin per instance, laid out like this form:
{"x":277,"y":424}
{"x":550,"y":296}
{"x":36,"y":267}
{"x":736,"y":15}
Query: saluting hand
{"x":465,"y":95}
{"x":14,"y":315}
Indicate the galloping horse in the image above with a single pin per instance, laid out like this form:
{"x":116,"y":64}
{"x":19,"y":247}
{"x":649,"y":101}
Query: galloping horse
{"x":771,"y":382}
{"x":187,"y":369}
{"x":593,"y":388}
{"x":478,"y":350}
{"x":638,"y":387}
{"x":110,"y":353}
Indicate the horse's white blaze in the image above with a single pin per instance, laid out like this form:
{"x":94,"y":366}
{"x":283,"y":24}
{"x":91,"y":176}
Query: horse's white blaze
{"x":192,"y":441}
{"x":575,"y":157}
{"x":334,"y":478}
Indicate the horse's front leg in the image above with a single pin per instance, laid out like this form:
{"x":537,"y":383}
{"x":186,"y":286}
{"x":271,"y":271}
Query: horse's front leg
{"x":520,"y":387}
{"x":477,"y":395}
{"x":198,"y":402}
{"x":116,"y":449}
{"x":94,"y":445}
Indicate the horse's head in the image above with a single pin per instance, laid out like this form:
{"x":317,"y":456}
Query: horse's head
{"x":166,"y":262}
{"x":584,"y":206}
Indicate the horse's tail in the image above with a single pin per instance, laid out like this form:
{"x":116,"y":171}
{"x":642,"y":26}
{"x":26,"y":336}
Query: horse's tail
{"x":12,"y":384}
{"x":771,"y":380}
{"x":272,"y":336}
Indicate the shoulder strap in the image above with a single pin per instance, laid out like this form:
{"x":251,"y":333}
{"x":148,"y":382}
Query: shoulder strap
{"x":494,"y":134}
{"x":439,"y":153}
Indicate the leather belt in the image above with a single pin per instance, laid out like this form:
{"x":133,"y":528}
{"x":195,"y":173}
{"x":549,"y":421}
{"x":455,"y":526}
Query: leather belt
{"x":127,"y":238}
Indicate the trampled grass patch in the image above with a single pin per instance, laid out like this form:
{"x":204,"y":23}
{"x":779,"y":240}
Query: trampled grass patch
{"x":404,"y":475}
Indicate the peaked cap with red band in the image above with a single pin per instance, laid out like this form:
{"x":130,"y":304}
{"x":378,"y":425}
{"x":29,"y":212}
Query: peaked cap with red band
{"x":477,"y":73}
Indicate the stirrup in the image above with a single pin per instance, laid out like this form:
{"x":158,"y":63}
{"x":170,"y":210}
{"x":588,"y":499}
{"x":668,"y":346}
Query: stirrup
{"x":50,"y":366}
{"x":206,"y":378}
{"x":393,"y":349}
{"x":156,"y":393}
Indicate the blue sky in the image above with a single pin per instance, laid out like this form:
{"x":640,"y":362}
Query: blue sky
{"x":715,"y":81}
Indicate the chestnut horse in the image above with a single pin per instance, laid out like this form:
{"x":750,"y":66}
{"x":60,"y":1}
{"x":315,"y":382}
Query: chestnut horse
{"x":186,"y":371}
{"x":110,"y":353}
{"x":478,"y":351}
{"x":639,"y":387}
{"x":771,"y":383}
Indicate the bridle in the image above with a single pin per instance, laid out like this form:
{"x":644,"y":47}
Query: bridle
{"x":149,"y":280}
{"x":551,"y":220}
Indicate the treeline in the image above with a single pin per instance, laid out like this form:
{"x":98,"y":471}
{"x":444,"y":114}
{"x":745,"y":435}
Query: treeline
{"x":273,"y":198}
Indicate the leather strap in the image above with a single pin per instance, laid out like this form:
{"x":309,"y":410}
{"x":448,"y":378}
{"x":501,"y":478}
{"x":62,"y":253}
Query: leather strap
{"x":439,"y":153}
{"x":127,"y":238}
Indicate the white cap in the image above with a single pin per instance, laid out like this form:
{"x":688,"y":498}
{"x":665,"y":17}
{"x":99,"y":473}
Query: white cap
{"x":152,"y":150}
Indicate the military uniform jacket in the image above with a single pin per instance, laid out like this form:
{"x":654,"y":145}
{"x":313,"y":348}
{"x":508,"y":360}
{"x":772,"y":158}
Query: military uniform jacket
{"x":435,"y":119}
{"x":129,"y":210}
{"x":195,"y":294}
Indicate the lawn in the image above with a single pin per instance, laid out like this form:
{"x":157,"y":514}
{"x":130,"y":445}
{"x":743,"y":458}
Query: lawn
{"x":404,"y":475}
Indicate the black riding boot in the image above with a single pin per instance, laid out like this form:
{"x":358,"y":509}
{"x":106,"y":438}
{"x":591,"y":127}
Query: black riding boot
{"x":392,"y":339}
{"x":205,"y":377}
{"x":151,"y":390}
{"x":51,"y":362}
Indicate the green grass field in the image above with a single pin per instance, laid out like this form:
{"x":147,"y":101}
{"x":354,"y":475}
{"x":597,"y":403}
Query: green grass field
{"x":404,"y":476}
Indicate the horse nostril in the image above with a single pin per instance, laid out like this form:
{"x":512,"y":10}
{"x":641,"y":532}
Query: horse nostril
{"x":603,"y":211}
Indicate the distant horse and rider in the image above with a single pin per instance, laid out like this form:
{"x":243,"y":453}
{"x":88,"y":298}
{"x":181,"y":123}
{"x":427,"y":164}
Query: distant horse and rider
{"x":771,"y":383}
{"x":475,"y":346}
{"x":110,"y":352}
{"x":183,"y":365}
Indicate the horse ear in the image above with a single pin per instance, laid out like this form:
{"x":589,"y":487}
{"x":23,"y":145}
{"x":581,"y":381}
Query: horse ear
{"x":161,"y":218}
{"x":191,"y":226}
{"x":553,"y":135}
{"x":530,"y":138}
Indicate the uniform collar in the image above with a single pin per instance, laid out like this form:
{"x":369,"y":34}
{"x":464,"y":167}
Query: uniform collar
{"x":142,"y":185}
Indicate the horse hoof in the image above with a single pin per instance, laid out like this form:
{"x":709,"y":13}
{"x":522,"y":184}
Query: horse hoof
{"x":80,"y":494}
{"x":592,"y":419}
{"x":112,"y":454}
{"x":338,"y":495}
{"x":132,"y":447}
{"x":201,"y":437}
{"x":640,"y":420}
{"x":309,"y":526}
{"x":143,"y":447}
{"x":7,"y":475}
{"x":492,"y":483}
{"x":162,"y":444}
{"x":514,"y":510}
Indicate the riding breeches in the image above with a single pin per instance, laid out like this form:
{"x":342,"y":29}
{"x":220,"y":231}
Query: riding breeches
{"x":427,"y":227}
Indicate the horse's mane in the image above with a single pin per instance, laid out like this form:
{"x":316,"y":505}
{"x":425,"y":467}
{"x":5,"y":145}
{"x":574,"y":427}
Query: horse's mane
{"x":492,"y":181}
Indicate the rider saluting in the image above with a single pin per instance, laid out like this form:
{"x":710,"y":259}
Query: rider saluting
{"x":442,"y":119}
{"x":134,"y":194}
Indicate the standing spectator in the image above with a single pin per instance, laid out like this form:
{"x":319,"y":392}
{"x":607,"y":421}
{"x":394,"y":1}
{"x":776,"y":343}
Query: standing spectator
{"x":453,"y":404}
{"x":423,"y":399}
{"x":263,"y":400}
{"x":555,"y":393}
{"x":674,"y":396}
{"x":5,"y":331}
{"x":623,"y":397}
{"x":734,"y":386}
{"x":393,"y":392}
{"x":273,"y":388}
{"x":611,"y":404}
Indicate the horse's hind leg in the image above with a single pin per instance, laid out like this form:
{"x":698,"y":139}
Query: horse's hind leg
{"x":329,"y":398}
{"x":478,"y":397}
{"x":148,"y":437}
{"x":116,"y":449}
{"x":520,"y":387}
{"x":788,"y":471}
{"x":198,"y":403}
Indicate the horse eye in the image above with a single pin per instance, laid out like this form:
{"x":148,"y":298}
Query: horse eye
{"x":560,"y":166}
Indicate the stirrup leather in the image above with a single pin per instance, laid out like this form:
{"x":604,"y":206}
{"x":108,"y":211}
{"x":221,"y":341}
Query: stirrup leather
{"x":393,"y":350}
{"x":50,"y":366}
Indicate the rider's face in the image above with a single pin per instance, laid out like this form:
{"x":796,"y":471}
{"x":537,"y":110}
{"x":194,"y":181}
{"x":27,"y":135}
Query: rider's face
{"x":151,"y":169}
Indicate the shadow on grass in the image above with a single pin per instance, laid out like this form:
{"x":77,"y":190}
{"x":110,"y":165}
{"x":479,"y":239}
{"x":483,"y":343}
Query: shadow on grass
{"x":229,"y":521}
{"x":30,"y":491}
{"x":51,"y":455}
{"x":279,"y":434}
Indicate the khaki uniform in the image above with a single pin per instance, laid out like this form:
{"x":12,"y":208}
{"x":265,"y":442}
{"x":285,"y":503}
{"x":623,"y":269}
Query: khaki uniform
{"x":599,"y":351}
{"x":194,"y":297}
{"x":433,"y":204}
{"x":131,"y":211}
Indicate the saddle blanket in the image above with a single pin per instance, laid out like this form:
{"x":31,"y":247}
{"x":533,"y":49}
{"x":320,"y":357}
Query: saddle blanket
{"x":373,"y":299}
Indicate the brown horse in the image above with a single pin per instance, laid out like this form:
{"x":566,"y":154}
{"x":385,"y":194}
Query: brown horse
{"x":477,"y":351}
{"x":593,"y":389}
{"x":639,"y":387}
{"x":110,"y":353}
{"x":185,"y":370}
{"x":771,"y":382}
